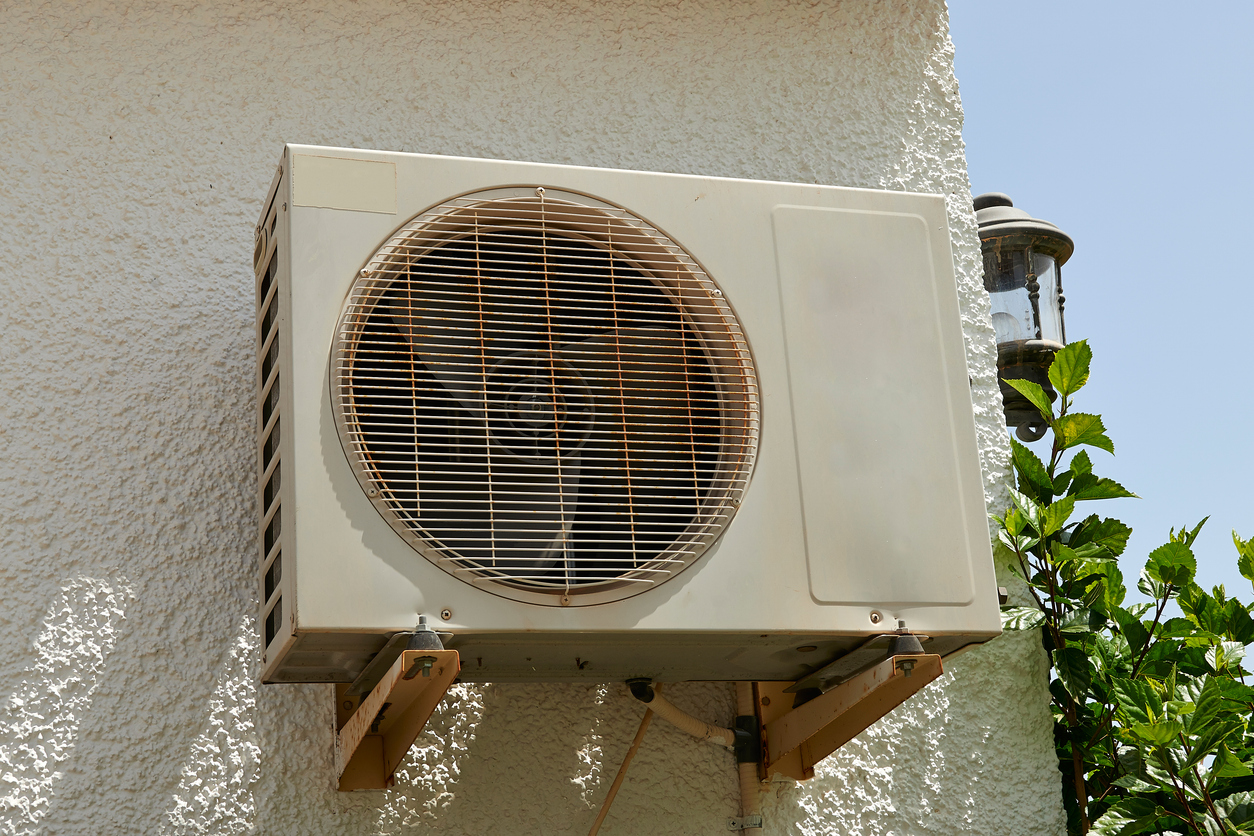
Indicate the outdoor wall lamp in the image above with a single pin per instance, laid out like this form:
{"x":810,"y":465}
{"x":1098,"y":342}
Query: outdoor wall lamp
{"x":1022,"y":261}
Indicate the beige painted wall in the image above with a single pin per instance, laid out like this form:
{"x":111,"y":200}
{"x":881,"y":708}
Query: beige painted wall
{"x":136,"y":142}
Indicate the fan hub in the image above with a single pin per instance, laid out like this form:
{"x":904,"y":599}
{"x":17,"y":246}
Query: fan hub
{"x":538,"y":406}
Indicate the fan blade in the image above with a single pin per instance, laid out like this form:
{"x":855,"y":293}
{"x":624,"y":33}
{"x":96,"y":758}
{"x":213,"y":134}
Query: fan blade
{"x":533,"y":516}
{"x":645,"y":448}
{"x":444,"y":334}
{"x":641,"y":381}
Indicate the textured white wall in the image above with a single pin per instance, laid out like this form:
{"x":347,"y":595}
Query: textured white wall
{"x":136,"y":141}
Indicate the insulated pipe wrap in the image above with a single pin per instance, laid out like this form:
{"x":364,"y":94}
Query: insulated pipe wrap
{"x":685,"y":721}
{"x":643,"y":691}
{"x":750,"y":786}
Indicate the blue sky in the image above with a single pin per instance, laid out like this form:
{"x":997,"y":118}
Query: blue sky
{"x":1129,"y":125}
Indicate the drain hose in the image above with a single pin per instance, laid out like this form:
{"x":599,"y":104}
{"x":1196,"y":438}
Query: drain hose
{"x":664,"y":708}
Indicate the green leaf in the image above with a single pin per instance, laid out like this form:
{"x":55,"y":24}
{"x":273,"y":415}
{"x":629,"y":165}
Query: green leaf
{"x":1211,"y":704}
{"x":1131,"y":782}
{"x":1109,"y":534}
{"x":1018,"y":544}
{"x":1240,"y":627}
{"x":1056,"y":515}
{"x":1033,"y":479}
{"x":1089,"y":486}
{"x":1132,"y":628}
{"x":1147,"y":585}
{"x":1193,"y":600}
{"x":1245,"y":563}
{"x":1082,"y":621}
{"x":1212,"y":736}
{"x":1028,"y":508}
{"x":1237,"y":809}
{"x":1157,"y":734}
{"x":1081,"y":428}
{"x":1074,"y":670}
{"x":1228,"y":765}
{"x":1136,"y":701}
{"x":1021,"y":618}
{"x":1172,"y":563}
{"x":1224,"y":656}
{"x":1070,"y":369}
{"x":1127,"y":817}
{"x":1034,"y":393}
{"x":1187,"y":537}
{"x":1080,"y":464}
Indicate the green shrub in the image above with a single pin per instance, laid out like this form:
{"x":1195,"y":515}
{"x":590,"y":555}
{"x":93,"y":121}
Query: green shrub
{"x":1151,"y":712}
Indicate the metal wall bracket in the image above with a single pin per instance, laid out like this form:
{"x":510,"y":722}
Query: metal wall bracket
{"x":795,"y":739}
{"x":373,"y":742}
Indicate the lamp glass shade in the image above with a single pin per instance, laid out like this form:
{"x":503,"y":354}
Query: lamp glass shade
{"x":1006,"y":279}
{"x":1046,"y":269}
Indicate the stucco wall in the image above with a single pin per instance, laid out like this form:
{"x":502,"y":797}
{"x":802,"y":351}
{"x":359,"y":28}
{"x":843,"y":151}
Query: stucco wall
{"x":136,"y":141}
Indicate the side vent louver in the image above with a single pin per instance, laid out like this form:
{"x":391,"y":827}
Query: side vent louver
{"x":269,"y":477}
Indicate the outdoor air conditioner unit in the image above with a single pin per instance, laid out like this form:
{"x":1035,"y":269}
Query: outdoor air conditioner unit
{"x":600,"y":424}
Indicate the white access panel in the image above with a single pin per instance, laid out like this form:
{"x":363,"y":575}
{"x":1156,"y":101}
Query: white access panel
{"x":884,"y":431}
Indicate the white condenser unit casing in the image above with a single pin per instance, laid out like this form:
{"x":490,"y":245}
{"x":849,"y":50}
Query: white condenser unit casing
{"x":600,"y":424}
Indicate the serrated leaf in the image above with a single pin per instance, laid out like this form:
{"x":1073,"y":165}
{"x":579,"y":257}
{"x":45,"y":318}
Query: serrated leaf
{"x":1131,"y":628}
{"x":1240,"y":626}
{"x":1089,"y":486}
{"x":1021,"y":618}
{"x":1074,"y":670}
{"x":1210,"y":702}
{"x":1147,"y":585}
{"x":1127,"y":817}
{"x":1172,"y":563}
{"x":1109,"y":534}
{"x":1080,"y":464}
{"x":1156,"y":734}
{"x":1223,"y":656}
{"x":1131,"y":782}
{"x":1021,"y":543}
{"x":1135,"y":700}
{"x":1082,"y":428}
{"x":1193,"y":600}
{"x":1056,"y":515}
{"x":1228,"y":765}
{"x":1070,"y":369}
{"x":1033,"y":479}
{"x":1245,"y":561}
{"x":1082,"y":621}
{"x":1029,"y":509}
{"x":1035,"y":394}
{"x":1237,"y":808}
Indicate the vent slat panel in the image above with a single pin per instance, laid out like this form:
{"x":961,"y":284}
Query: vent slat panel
{"x":546,"y":394}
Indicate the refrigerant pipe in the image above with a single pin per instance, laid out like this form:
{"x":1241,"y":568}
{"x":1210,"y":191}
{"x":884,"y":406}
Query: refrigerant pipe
{"x":642,"y":690}
{"x":746,"y":767}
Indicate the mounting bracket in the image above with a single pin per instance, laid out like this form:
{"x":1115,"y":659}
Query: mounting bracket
{"x":371,"y":744}
{"x":795,"y":739}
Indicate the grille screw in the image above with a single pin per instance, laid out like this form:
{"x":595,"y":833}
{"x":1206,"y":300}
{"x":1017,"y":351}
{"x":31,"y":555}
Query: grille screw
{"x":446,"y":613}
{"x":876,"y":618}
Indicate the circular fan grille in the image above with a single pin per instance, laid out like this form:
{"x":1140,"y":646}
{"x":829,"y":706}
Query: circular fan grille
{"x":545,"y":396}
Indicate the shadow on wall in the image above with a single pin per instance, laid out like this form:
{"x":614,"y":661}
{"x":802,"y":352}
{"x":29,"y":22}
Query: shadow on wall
{"x":540,"y":758}
{"x":39,"y":721}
